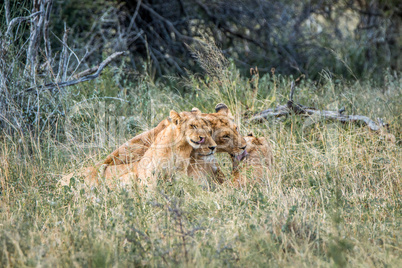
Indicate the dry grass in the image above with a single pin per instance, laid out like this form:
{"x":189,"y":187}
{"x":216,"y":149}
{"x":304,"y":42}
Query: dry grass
{"x":333,"y":197}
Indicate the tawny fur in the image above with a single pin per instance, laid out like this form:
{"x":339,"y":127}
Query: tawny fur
{"x":255,"y":165}
{"x":134,"y":149}
{"x":117,"y":171}
{"x":171,"y":151}
{"x":228,"y":139}
{"x":225,"y":134}
{"x":89,"y":173}
{"x":118,"y":162}
{"x":130,"y":152}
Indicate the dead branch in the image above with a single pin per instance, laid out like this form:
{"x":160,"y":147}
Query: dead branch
{"x":7,"y":10}
{"x":36,"y":28}
{"x":293,"y":108}
{"x":19,"y":20}
{"x":62,"y":71}
{"x":279,"y":111}
{"x":134,"y":15}
{"x":48,"y":47}
{"x":87,"y":72}
{"x":99,"y":69}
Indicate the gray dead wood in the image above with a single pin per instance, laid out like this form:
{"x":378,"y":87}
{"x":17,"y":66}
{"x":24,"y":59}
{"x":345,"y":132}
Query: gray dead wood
{"x":293,"y":108}
{"x":14,"y":21}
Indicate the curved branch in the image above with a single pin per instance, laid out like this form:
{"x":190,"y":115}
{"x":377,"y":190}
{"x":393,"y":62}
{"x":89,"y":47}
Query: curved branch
{"x":82,"y":79}
{"x":19,"y":20}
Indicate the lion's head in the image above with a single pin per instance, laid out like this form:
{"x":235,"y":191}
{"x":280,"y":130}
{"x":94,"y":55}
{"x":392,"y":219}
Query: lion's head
{"x":259,"y":158}
{"x":226,"y":133}
{"x":196,"y":130}
{"x":257,"y":146}
{"x":259,"y":151}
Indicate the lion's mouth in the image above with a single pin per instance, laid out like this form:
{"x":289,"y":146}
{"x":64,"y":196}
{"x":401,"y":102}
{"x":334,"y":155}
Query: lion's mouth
{"x":200,"y":141}
{"x":211,"y":153}
{"x":241,"y":156}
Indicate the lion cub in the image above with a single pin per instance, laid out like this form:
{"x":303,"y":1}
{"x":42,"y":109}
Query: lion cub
{"x":254,"y":165}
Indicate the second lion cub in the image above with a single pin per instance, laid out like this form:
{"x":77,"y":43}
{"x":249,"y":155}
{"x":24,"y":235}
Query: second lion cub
{"x":254,"y":166}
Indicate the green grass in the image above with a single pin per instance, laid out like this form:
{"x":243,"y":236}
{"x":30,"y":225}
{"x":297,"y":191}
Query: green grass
{"x":333,"y":198}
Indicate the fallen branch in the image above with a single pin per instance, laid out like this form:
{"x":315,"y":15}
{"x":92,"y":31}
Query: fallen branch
{"x":293,"y":108}
{"x":99,"y":69}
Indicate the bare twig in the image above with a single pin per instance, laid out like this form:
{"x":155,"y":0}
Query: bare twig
{"x":19,"y":20}
{"x":78,"y":65}
{"x":279,"y":111}
{"x":51,"y":86}
{"x":7,"y":11}
{"x":292,"y":90}
{"x":87,"y":72}
{"x":36,"y":27}
{"x":48,"y":48}
{"x":134,"y":15}
{"x":63,"y":57}
{"x":293,"y":86}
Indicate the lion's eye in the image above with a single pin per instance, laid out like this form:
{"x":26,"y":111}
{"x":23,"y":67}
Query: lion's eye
{"x":193,"y":126}
{"x":226,"y":137}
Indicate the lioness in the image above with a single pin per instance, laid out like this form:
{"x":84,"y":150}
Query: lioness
{"x":203,"y":149}
{"x":170,"y":153}
{"x":135,"y":148}
{"x":259,"y":158}
{"x":119,"y":162}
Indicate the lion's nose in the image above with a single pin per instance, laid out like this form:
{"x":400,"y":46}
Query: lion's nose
{"x":212,"y":148}
{"x":243,"y":147}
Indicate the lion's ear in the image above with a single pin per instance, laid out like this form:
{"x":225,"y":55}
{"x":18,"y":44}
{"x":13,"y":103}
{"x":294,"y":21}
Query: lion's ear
{"x":196,"y":110}
{"x":256,"y":141}
{"x":222,"y":109}
{"x":175,"y":117}
{"x":260,"y":141}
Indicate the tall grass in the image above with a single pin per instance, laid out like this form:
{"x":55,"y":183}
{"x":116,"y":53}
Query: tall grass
{"x":333,"y":197}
